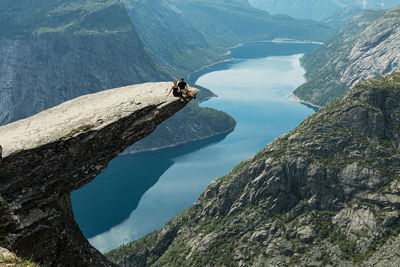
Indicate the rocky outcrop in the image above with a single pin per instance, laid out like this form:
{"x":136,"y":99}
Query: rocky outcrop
{"x":46,"y":156}
{"x":326,"y":193}
{"x":366,"y":47}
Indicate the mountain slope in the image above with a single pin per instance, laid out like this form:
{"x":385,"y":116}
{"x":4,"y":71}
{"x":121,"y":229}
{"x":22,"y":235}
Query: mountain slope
{"x":315,"y":9}
{"x":184,"y":35}
{"x":52,"y":51}
{"x":233,"y":21}
{"x":340,"y":18}
{"x":325,"y":193}
{"x":368,"y":46}
{"x":175,"y":44}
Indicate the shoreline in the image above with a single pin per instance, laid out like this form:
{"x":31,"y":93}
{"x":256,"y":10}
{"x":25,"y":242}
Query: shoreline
{"x":277,"y":40}
{"x":178,"y":144}
{"x":295,"y":98}
{"x":209,"y":65}
{"x":228,"y":51}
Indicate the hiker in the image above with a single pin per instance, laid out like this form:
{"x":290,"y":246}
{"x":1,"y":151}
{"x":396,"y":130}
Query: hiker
{"x":184,"y":88}
{"x":175,"y":90}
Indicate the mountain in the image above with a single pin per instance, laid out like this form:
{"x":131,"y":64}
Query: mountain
{"x":324,"y":194}
{"x":368,"y":46}
{"x":184,"y":35}
{"x":343,"y":16}
{"x":316,"y":9}
{"x":52,"y":51}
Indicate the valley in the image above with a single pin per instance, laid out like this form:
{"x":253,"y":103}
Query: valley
{"x":297,"y":115}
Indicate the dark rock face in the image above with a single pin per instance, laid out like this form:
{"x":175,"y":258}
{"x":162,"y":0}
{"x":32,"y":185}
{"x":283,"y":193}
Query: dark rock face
{"x":48,"y":155}
{"x":325,"y":193}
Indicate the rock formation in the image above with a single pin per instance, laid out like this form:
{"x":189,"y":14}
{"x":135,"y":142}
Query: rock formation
{"x":367,"y":47}
{"x":326,"y":193}
{"x":46,"y":156}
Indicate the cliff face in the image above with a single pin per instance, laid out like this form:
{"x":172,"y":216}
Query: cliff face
{"x":46,"y":156}
{"x":325,"y":193}
{"x":367,"y":47}
{"x":53,"y":51}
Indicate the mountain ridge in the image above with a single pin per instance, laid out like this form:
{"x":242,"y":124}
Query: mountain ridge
{"x":317,"y":10}
{"x":366,"y":47}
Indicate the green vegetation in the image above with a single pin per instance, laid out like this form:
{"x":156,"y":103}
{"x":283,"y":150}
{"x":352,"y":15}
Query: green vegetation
{"x":184,"y":35}
{"x":72,"y":17}
{"x":192,"y":123}
{"x":9,"y":259}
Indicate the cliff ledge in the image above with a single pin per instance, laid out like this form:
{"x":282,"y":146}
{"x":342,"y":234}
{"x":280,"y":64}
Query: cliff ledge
{"x":46,"y":156}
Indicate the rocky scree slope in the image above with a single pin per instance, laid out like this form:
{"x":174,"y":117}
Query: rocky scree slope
{"x":366,"y":47}
{"x":325,"y":193}
{"x":45,"y":157}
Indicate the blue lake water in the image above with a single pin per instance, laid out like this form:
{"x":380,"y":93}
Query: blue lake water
{"x":138,"y":194}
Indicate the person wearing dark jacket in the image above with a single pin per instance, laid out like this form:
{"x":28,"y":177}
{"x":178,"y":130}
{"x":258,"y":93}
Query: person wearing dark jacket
{"x":184,"y":88}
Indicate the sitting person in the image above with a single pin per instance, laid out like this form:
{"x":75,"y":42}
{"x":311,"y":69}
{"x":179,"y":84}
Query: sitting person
{"x":175,"y":90}
{"x":184,"y":88}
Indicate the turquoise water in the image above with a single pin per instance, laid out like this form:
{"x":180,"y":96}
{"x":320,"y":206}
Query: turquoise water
{"x":138,"y":194}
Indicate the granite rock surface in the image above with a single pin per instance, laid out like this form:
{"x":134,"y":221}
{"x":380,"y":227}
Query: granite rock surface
{"x":48,"y":155}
